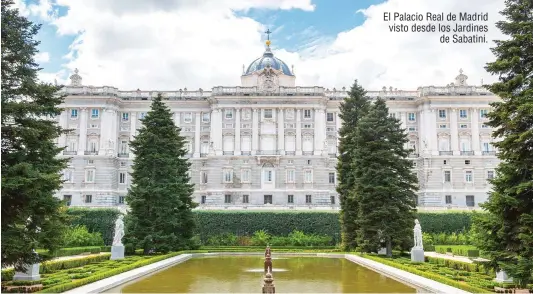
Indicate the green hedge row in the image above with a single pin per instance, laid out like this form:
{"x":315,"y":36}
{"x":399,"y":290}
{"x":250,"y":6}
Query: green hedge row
{"x":75,"y":251}
{"x":276,"y":223}
{"x":461,"y":250}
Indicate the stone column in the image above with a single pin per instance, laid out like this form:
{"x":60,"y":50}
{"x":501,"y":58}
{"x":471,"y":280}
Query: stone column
{"x":133,"y":130}
{"x":298,"y":132}
{"x":177,"y":119}
{"x":83,"y":132}
{"x":454,"y":134}
{"x":104,"y":131}
{"x":422,"y":134}
{"x":113,"y":132}
{"x":338,"y":125}
{"x":431,"y":125}
{"x":63,"y":122}
{"x":255,"y":131}
{"x":197,"y":123}
{"x":218,"y":133}
{"x":281,"y":132}
{"x":475,"y":132}
{"x":403,"y":119}
{"x":320,"y":131}
{"x":237,"y":132}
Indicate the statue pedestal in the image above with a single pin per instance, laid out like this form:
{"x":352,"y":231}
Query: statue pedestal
{"x":417,"y":254}
{"x":117,"y":252}
{"x":382,"y":251}
{"x":31,"y":273}
{"x":502,"y":277}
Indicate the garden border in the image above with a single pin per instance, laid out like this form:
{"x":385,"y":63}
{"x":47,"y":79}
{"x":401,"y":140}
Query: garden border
{"x":397,"y":274}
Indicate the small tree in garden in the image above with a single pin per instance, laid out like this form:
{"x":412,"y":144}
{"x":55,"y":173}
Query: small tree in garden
{"x":506,"y":231}
{"x":160,"y":197}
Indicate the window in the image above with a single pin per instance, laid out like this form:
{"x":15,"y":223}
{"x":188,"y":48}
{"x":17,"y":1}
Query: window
{"x":245,"y":199}
{"x":67,"y":199}
{"x":122,"y":178}
{"x":447,"y":176}
{"x":332,"y":178}
{"x":412,"y":129}
{"x":307,"y":113}
{"x":443,"y":126}
{"x":308,"y":199}
{"x":121,"y":199}
{"x":470,"y":201}
{"x":95,"y":113}
{"x":483,"y":113}
{"x":308,"y":176}
{"x":308,"y":126}
{"x":268,"y":176}
{"x":67,"y":176}
{"x":205,"y":117}
{"x":442,"y":113}
{"x":329,"y":116}
{"x":202,"y":201}
{"x":227,"y":198}
{"x":484,"y":126}
{"x":123,"y":164}
{"x":290,"y":161}
{"x":463,"y":113}
{"x":124,"y":149}
{"x":203,"y":177}
{"x":268,"y":199}
{"x":125,"y":116}
{"x":90,"y":161}
{"x":332,"y":199}
{"x":245,"y":175}
{"x":290,"y":199}
{"x":246,"y":126}
{"x":93,"y":146}
{"x":268,"y":113}
{"x":73,"y":113}
{"x":187,"y":117}
{"x":467,"y":162}
{"x":486,"y":146}
{"x":142,"y":115}
{"x":490,"y":175}
{"x":228,"y":176}
{"x":412,"y":116}
{"x":94,"y":126}
{"x":228,"y":113}
{"x":88,"y":198}
{"x":228,"y":126}
{"x":290,"y":176}
{"x":463,"y":126}
{"x":468,"y":176}
{"x":444,"y":162}
{"x":89,"y":176}
{"x":309,"y":162}
{"x":448,"y":199}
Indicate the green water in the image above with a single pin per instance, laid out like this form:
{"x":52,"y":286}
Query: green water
{"x":244,"y":274}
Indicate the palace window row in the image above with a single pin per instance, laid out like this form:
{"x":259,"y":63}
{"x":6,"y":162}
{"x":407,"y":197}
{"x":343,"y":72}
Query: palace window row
{"x":468,"y":175}
{"x":267,"y":199}
{"x":228,"y":176}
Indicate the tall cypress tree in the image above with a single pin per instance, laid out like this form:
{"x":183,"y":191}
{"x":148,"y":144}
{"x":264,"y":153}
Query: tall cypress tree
{"x":351,"y":111}
{"x":507,"y":229}
{"x":385,"y":184}
{"x":31,"y":173}
{"x":160,"y":197}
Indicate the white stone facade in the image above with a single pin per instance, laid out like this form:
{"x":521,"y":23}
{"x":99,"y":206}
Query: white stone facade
{"x":273,"y":144}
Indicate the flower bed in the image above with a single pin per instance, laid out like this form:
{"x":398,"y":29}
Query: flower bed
{"x":465,"y":276}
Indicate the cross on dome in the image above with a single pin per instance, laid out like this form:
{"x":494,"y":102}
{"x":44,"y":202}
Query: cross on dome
{"x":268,"y":32}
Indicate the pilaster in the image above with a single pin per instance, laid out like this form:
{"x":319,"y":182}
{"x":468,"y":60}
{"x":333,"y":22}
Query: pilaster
{"x":475,"y":132}
{"x":133,"y":131}
{"x":218,"y":132}
{"x":197,"y":123}
{"x":237,"y":132}
{"x":281,"y":132}
{"x":298,"y":132}
{"x":255,"y":130}
{"x":432,"y":131}
{"x":454,"y":133}
{"x":63,"y":118}
{"x":104,"y":131}
{"x":83,"y":132}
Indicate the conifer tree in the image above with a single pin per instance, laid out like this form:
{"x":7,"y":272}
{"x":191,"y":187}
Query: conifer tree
{"x":385,"y":184}
{"x":351,"y":111}
{"x":32,"y":217}
{"x":506,"y":231}
{"x":160,"y":197}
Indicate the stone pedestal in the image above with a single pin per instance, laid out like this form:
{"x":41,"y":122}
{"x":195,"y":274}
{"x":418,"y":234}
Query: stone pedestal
{"x":31,"y":273}
{"x":502,"y":277}
{"x":417,"y":254}
{"x":117,"y":252}
{"x":382,"y":251}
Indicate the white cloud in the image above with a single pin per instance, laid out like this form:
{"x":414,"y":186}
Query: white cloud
{"x":42,"y":57}
{"x":174,"y":44}
{"x":43,"y":9}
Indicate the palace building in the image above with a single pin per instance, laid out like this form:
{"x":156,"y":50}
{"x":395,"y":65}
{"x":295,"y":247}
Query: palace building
{"x":271,"y":144}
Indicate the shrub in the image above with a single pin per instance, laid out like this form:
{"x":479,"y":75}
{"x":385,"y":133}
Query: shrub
{"x":80,"y":236}
{"x":101,"y":220}
{"x":261,"y":238}
{"x":74,"y":251}
{"x":461,"y":250}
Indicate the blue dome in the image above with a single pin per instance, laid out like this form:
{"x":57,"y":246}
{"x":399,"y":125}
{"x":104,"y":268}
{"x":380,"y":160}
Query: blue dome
{"x":268,"y":59}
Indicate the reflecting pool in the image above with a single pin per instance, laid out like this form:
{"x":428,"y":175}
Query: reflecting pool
{"x":244,"y":274}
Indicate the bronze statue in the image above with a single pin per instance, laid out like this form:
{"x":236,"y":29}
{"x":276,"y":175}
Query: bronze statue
{"x":268,"y":264}
{"x":267,"y":251}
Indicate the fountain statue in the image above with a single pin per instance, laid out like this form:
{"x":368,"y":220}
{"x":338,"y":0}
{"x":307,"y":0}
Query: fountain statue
{"x":268,"y":286}
{"x":417,"y":252}
{"x":267,"y":251}
{"x":268,"y":264}
{"x":117,"y":250}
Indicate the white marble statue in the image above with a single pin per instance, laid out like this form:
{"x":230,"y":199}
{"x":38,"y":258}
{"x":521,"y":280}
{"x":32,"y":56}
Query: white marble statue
{"x":119,"y":231}
{"x":418,"y":235}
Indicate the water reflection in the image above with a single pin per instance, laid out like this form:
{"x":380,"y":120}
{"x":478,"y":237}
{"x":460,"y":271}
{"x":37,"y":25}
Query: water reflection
{"x":238,"y":274}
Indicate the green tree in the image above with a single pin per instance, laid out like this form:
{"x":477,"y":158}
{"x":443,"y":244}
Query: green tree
{"x":351,"y":111}
{"x":385,"y":185}
{"x":160,"y":197}
{"x":31,"y":171}
{"x":506,"y":232}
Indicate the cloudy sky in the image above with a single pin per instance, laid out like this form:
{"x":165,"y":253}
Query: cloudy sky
{"x":173,"y":44}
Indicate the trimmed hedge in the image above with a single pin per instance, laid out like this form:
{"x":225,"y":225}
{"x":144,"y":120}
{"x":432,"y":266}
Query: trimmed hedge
{"x":75,"y":251}
{"x":461,"y":250}
{"x":276,"y":223}
{"x":101,"y":220}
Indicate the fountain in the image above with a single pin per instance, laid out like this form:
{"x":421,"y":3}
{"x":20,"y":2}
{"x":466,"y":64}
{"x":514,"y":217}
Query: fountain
{"x":268,"y":286}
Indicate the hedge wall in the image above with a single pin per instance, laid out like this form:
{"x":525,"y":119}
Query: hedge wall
{"x":96,"y":220}
{"x":280,"y":223}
